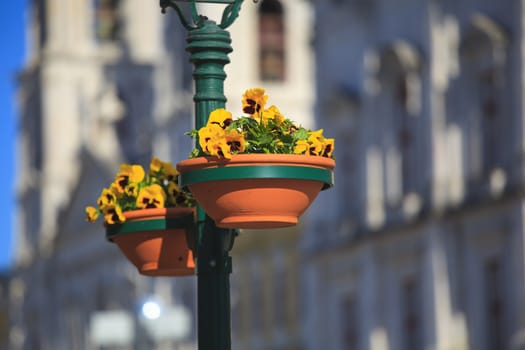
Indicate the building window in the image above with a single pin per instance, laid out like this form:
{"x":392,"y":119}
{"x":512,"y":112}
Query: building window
{"x":134,"y":129}
{"x":34,"y":130}
{"x":108,"y":21}
{"x":399,"y":107}
{"x":494,"y":305}
{"x":412,"y":327}
{"x":349,"y":322}
{"x":491,"y":118}
{"x":482,"y":104}
{"x":272,"y":58}
{"x":404,"y":129}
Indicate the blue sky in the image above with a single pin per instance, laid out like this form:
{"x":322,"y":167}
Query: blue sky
{"x":11,"y":58}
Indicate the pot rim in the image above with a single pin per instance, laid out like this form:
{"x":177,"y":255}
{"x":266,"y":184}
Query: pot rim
{"x":257,"y":166}
{"x":154,"y":219}
{"x":256,"y":158}
{"x":156,"y":213}
{"x":268,"y":172}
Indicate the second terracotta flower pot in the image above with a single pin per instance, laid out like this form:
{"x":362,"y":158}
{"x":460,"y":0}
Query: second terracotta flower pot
{"x":156,"y":241}
{"x":256,"y":191}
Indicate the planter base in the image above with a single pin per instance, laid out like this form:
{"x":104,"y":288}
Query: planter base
{"x":257,"y":203}
{"x":257,"y":221}
{"x":156,"y":241}
{"x":158,"y":253}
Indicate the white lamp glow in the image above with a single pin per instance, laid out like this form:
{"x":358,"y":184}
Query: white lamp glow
{"x":151,"y":310}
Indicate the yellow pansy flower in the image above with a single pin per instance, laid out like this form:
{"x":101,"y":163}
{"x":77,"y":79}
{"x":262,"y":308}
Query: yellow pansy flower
{"x":274,"y":114}
{"x":131,"y":190}
{"x":316,"y":141}
{"x":155,"y":165}
{"x":235,"y":141}
{"x":152,"y":196}
{"x":128,"y":173}
{"x":173,"y":190}
{"x":113,"y":215}
{"x":315,"y":135}
{"x":163,"y":170}
{"x":301,"y":147}
{"x":113,"y":188}
{"x":209,"y":133}
{"x":170,"y":173}
{"x":219,"y":148}
{"x":91,"y":214}
{"x":253,"y":101}
{"x":328,"y":147}
{"x":316,"y":147}
{"x":107,"y":197}
{"x":220,"y":117}
{"x":136,"y":172}
{"x":176,"y":196}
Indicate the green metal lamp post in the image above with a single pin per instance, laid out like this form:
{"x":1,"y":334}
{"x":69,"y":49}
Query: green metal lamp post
{"x":209,"y":44}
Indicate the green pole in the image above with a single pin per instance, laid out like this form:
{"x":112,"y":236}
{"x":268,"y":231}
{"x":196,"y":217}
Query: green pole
{"x":209,"y":44}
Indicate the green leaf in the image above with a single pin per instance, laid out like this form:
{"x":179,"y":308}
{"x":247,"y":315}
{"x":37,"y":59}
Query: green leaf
{"x":194,"y":153}
{"x":300,"y":134}
{"x":193,"y":133}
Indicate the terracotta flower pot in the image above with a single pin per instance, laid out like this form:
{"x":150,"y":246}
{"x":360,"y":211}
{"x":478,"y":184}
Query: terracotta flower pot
{"x":156,"y":240}
{"x":256,"y":191}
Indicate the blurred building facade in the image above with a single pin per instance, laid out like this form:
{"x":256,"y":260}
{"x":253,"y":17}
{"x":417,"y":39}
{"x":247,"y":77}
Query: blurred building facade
{"x":421,"y":244}
{"x":4,"y":310}
{"x":265,"y":284}
{"x":89,"y":100}
{"x":107,"y":82}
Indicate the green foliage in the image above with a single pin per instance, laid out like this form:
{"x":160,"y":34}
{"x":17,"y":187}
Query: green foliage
{"x":269,"y":137}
